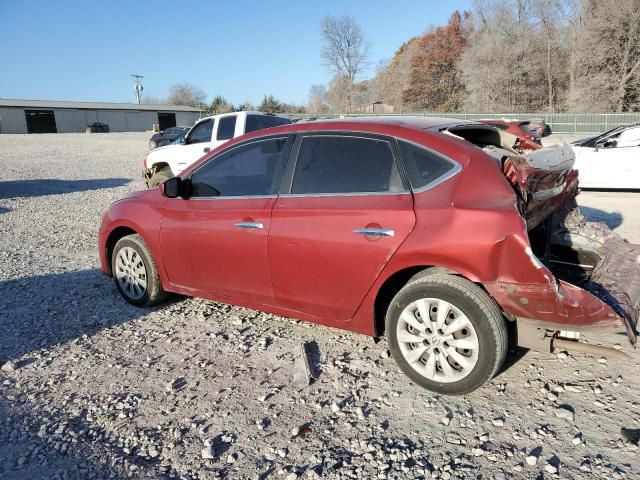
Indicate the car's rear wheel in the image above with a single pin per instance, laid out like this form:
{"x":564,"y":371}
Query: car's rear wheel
{"x":135,"y":272}
{"x":446,"y":334}
{"x":159,"y":176}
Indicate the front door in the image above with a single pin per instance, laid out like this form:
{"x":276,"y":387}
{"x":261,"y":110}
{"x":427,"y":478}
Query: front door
{"x":216,"y":240}
{"x":346,"y":214}
{"x":197,"y":143}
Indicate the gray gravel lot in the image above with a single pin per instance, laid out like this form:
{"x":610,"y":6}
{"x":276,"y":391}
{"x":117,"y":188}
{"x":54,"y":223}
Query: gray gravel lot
{"x":92,"y":387}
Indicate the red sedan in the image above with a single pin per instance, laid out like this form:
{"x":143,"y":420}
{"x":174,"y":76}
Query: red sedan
{"x":432,"y":232}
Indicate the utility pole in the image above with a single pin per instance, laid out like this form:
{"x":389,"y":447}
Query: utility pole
{"x":139,"y":87}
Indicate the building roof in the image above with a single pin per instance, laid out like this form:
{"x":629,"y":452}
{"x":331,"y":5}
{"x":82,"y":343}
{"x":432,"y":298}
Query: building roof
{"x":93,"y":105}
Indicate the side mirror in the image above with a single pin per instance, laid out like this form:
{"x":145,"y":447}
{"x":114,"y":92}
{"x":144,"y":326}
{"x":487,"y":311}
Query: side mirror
{"x":171,"y":188}
{"x":183,"y":140}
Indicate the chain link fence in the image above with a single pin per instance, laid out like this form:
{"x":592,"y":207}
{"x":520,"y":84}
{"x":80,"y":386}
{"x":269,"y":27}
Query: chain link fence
{"x":575,"y":123}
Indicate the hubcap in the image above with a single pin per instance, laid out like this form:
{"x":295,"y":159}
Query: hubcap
{"x":437,"y":339}
{"x":131,"y":273}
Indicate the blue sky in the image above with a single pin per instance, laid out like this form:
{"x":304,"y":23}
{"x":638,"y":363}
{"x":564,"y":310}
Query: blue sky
{"x":84,"y":50}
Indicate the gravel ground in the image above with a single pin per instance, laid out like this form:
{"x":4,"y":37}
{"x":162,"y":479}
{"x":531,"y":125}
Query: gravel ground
{"x":94,"y":388}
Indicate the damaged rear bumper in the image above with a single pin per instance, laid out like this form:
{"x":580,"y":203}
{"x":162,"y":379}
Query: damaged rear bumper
{"x":605,"y":297}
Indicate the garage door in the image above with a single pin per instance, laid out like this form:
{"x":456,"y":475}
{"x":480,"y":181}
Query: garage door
{"x":166,"y":120}
{"x":40,"y":121}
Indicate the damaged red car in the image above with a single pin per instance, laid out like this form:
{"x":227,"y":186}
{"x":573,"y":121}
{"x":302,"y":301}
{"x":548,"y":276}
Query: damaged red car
{"x":446,"y":237}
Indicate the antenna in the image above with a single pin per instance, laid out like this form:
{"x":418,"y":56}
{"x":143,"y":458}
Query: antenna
{"x":139,"y":88}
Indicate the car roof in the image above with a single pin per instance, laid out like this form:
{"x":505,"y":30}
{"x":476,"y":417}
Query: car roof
{"x":415,"y":122}
{"x":243,"y":112}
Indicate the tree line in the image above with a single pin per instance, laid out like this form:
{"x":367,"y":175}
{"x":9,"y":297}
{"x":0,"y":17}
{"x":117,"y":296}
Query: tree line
{"x":502,"y":56}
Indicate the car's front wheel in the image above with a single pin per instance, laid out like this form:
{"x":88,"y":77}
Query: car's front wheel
{"x":152,"y":144}
{"x":446,"y":334}
{"x":159,"y":176}
{"x":135,"y":272}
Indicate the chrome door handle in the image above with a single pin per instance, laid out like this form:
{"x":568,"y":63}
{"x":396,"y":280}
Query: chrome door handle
{"x":379,"y":232}
{"x":249,"y":225}
{"x":206,"y":149}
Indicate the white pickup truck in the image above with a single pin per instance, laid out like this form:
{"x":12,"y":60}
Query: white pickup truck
{"x":207,"y":134}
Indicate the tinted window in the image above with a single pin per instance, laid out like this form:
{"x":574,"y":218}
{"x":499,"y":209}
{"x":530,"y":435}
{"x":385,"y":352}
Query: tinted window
{"x":226,"y":128}
{"x":252,"y":169}
{"x":201,"y":132}
{"x":423,"y":166}
{"x":258,"y":122}
{"x":345,"y":165}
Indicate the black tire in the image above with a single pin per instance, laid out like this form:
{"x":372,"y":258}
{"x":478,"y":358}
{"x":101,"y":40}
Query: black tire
{"x":479,"y":308}
{"x":153,"y":293}
{"x":160,"y":176}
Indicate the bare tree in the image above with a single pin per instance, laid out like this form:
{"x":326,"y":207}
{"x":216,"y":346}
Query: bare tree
{"x":148,"y":100}
{"x":345,"y":51}
{"x":317,"y":102}
{"x":609,"y":55}
{"x":186,"y":94}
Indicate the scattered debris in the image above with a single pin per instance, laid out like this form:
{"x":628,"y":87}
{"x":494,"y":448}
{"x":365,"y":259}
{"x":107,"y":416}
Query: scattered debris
{"x":631,"y":435}
{"x":566,"y":412}
{"x":10,"y":366}
{"x":302,"y":376}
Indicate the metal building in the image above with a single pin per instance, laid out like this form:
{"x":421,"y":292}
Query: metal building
{"x":45,"y":116}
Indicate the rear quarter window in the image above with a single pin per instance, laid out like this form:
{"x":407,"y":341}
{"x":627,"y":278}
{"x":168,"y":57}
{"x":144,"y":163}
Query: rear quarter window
{"x":226,"y":128}
{"x":260,"y":122}
{"x":423,"y":166}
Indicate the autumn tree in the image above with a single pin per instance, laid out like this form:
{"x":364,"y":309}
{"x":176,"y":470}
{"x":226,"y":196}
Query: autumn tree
{"x":219,"y":104}
{"x":393,"y":76}
{"x":186,"y":94}
{"x":271,"y":105}
{"x":435,"y":79}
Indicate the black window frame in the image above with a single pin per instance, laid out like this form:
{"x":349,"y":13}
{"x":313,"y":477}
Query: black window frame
{"x":220,"y":120}
{"x":287,"y":179}
{"x":279,"y":171}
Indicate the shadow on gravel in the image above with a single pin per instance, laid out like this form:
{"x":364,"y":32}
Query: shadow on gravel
{"x":43,"y":311}
{"x":612,"y":219}
{"x":50,"y":186}
{"x":23,"y":455}
{"x":4,"y":210}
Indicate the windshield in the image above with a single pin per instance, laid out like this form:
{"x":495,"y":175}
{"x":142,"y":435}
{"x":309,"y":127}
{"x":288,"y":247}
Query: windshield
{"x":591,"y":141}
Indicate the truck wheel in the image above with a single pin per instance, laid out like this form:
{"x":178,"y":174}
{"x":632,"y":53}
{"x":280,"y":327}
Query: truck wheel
{"x":446,"y":334}
{"x":159,"y":176}
{"x":135,"y":272}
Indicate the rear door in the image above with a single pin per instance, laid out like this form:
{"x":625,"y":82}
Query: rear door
{"x":343,"y":213}
{"x":226,"y":129}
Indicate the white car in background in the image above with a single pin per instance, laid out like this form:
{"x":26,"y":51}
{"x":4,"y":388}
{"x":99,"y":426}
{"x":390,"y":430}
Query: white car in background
{"x":207,"y":134}
{"x":610,"y":160}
